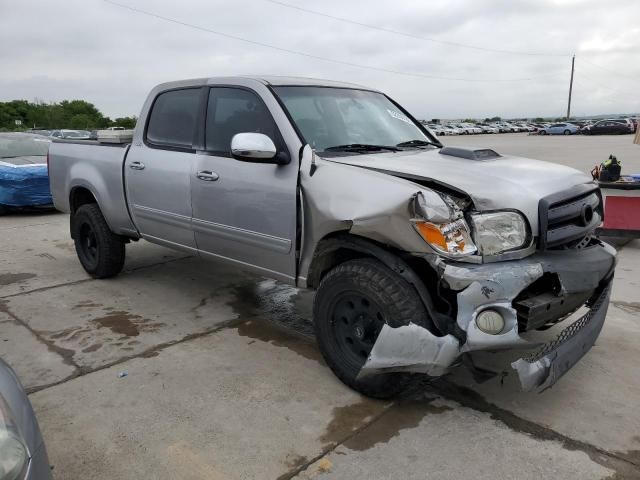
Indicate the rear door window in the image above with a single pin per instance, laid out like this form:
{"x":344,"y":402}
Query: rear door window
{"x":235,"y":110}
{"x":173,"y":118}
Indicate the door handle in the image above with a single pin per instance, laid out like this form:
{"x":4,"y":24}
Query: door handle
{"x":207,"y":176}
{"x":136,"y":165}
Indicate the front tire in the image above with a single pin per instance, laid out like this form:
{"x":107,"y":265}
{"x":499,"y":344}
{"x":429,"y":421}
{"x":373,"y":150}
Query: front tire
{"x":567,"y":132}
{"x":100,"y":251}
{"x":353,"y":302}
{"x":543,"y":132}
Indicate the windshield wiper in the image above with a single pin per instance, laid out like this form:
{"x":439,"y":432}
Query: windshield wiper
{"x":417,"y":143}
{"x":361,"y":147}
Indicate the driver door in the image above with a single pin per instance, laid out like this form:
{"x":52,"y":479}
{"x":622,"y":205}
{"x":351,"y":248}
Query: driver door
{"x":244,"y":212}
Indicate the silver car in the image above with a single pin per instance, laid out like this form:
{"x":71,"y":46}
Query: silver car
{"x":23,"y":455}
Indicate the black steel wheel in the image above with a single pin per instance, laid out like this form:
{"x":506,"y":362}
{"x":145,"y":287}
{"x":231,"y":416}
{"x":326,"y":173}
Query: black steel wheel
{"x":353,"y":302}
{"x":356,"y":321}
{"x":100,"y":251}
{"x":87,"y":245}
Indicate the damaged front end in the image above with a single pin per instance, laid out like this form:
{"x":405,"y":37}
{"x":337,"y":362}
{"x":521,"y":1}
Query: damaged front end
{"x":501,"y":277}
{"x":520,"y":292}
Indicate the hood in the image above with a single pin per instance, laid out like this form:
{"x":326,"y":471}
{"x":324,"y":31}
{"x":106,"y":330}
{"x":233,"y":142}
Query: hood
{"x":503,"y":182}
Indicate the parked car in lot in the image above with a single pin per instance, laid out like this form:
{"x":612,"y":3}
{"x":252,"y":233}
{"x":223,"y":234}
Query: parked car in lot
{"x":23,"y":455}
{"x":450,"y":130}
{"x":608,"y":127}
{"x":72,"y":134}
{"x":505,"y":128}
{"x":418,"y":253}
{"x":559,"y":129}
{"x":487,"y":128}
{"x":24,"y":182}
{"x":46,"y":133}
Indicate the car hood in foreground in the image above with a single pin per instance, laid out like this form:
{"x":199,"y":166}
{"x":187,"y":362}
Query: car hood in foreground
{"x":499,"y":183}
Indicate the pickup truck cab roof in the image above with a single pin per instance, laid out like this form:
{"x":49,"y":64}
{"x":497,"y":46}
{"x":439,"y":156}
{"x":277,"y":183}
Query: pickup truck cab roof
{"x":269,"y":80}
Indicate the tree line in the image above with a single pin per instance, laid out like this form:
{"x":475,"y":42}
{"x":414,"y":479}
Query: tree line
{"x":19,"y":115}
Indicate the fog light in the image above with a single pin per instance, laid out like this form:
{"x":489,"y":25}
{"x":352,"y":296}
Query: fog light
{"x":490,"y":321}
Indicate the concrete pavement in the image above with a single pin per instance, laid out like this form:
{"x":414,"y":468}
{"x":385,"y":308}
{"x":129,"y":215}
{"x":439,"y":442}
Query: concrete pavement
{"x":223,"y":380}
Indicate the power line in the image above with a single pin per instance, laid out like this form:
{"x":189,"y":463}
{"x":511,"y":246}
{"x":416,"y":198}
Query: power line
{"x":318,"y":57}
{"x":417,"y":37}
{"x":581,"y":58}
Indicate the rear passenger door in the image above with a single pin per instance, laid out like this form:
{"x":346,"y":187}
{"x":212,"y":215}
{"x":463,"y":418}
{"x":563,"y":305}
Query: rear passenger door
{"x":158,"y":171}
{"x":244,"y":212}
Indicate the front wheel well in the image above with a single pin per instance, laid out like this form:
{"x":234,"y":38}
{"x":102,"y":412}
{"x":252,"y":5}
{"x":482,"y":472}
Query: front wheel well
{"x":330,"y":253}
{"x":336,"y":249}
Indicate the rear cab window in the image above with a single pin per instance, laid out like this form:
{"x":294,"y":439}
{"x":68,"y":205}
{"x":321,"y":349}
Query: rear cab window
{"x":173,"y":118}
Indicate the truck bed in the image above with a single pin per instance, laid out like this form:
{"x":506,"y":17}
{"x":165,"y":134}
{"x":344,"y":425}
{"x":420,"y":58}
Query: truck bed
{"x":96,"y":167}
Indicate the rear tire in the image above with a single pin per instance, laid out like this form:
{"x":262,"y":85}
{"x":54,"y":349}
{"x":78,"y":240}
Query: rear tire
{"x":100,"y":251}
{"x":351,"y":305}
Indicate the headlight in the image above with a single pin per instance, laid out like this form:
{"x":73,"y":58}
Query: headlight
{"x":13,"y":453}
{"x":441,"y":224}
{"x":452,"y":238}
{"x":499,"y":231}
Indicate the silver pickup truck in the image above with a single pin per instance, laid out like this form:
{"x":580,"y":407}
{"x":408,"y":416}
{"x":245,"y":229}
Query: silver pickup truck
{"x":419,"y":254}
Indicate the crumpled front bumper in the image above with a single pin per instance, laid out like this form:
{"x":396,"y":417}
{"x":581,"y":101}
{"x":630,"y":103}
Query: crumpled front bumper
{"x":495,"y":285}
{"x":545,"y":367}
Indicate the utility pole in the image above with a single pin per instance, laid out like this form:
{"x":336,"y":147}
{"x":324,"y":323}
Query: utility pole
{"x":573,"y":63}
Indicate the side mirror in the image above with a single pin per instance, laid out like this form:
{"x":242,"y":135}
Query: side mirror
{"x":253,"y":147}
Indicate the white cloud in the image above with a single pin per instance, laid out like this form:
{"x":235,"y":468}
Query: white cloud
{"x":110,"y":56}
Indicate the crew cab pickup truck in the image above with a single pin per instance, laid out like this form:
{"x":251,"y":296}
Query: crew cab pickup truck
{"x":419,"y":253}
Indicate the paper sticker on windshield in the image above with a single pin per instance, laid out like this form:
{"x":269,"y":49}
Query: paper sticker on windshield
{"x":399,"y":116}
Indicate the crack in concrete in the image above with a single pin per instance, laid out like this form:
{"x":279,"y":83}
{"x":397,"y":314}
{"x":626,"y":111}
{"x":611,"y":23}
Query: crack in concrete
{"x":64,"y":353}
{"x":622,"y":466}
{"x":148,"y":353}
{"x":326,"y":451}
{"x":84,"y":280}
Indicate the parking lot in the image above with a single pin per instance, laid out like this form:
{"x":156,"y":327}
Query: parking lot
{"x":179,"y":368}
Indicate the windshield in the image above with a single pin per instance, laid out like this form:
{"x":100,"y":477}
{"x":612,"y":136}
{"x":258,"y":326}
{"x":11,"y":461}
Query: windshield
{"x":14,"y":145}
{"x":331,"y":118}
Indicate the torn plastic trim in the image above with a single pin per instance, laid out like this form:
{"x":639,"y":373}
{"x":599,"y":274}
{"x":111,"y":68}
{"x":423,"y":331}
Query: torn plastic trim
{"x":545,"y":367}
{"x":411,"y":348}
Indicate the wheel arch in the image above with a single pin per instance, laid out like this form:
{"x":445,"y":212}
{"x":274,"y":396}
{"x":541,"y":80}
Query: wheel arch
{"x":338,"y":248}
{"x":78,"y":196}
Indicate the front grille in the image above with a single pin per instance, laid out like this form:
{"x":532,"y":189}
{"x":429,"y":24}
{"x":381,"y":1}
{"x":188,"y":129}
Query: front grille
{"x":567,"y":218}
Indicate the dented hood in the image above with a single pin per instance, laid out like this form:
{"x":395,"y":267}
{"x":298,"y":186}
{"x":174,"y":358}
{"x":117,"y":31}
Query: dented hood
{"x":503,"y":182}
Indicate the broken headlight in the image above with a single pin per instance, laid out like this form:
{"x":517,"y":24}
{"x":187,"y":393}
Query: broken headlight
{"x":499,"y":232}
{"x":442,"y":225}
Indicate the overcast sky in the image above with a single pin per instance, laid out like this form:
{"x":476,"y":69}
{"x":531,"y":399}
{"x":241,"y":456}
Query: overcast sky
{"x":93,"y":50}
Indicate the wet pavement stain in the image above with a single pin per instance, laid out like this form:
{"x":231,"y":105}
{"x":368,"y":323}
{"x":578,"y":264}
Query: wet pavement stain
{"x":86,"y":304}
{"x":65,"y":353}
{"x":274,"y":301}
{"x":92,"y":348}
{"x":402,"y":416}
{"x":66,"y":246}
{"x":273,"y":334}
{"x":120,"y":322}
{"x":9,"y":278}
{"x":629,"y":307}
{"x":350,"y":418}
{"x":294,"y":462}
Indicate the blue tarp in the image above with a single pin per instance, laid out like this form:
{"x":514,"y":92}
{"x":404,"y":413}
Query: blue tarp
{"x":24,"y":185}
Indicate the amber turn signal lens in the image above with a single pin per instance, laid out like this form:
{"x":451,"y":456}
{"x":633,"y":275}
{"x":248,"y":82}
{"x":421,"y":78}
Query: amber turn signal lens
{"x":432,"y":235}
